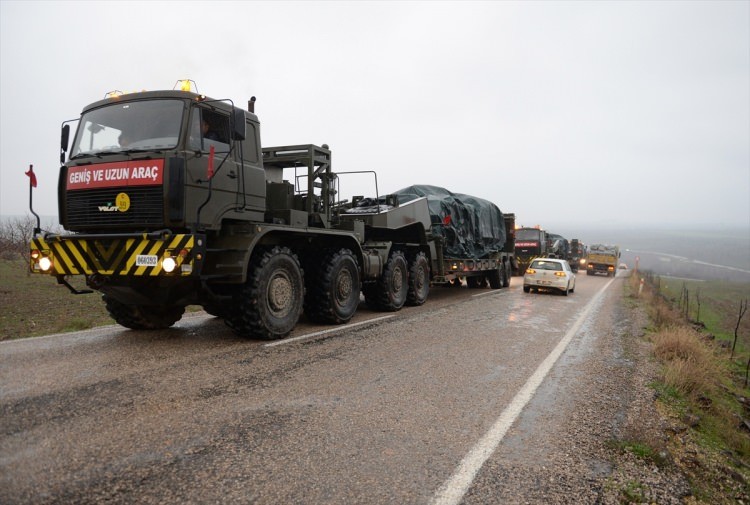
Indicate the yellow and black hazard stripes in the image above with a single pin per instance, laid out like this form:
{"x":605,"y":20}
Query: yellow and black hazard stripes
{"x":121,"y":256}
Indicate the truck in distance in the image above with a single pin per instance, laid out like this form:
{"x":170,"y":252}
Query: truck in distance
{"x":602,"y":259}
{"x":530,"y":243}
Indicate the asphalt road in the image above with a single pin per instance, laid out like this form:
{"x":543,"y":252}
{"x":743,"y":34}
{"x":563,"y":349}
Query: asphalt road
{"x":462,"y":399}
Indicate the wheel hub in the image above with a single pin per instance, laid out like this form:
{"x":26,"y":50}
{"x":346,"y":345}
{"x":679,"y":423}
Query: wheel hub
{"x":344,"y":286}
{"x":279,"y":293}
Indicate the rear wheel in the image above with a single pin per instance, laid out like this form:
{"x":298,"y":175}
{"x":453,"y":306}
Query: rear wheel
{"x":565,"y":291}
{"x":496,"y":277}
{"x":526,"y":289}
{"x":270,"y":303}
{"x":333,"y":288}
{"x":143,"y":317}
{"x":508,"y":274}
{"x":419,"y":279}
{"x":475,"y":282}
{"x":389,"y":292}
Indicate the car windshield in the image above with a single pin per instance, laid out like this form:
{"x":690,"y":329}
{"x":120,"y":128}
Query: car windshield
{"x":144,"y":125}
{"x":546,"y":265}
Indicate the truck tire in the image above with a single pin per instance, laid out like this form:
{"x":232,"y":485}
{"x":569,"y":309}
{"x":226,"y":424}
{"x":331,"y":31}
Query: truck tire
{"x":508,"y":274}
{"x":390,"y":291}
{"x":476,"y":282}
{"x":333,"y":288}
{"x":419,"y":280}
{"x":495,"y":278}
{"x":143,"y":317}
{"x":270,"y":302}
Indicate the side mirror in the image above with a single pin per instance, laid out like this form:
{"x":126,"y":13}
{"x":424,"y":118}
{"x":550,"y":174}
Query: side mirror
{"x":238,"y":124}
{"x":64,"y":138}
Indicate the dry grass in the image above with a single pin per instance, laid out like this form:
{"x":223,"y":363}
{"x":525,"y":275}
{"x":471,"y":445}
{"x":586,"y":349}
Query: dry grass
{"x":689,"y":365}
{"x":699,"y":388}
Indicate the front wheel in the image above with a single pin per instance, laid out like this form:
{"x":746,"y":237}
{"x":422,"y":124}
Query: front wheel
{"x":270,"y":302}
{"x":143,"y":317}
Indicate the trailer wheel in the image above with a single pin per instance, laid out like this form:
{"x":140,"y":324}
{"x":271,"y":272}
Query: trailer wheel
{"x":390,"y":291}
{"x":476,"y":282}
{"x":143,"y":317}
{"x":508,"y":274}
{"x":270,"y":302}
{"x":419,"y":279}
{"x":333,"y":288}
{"x":495,"y":278}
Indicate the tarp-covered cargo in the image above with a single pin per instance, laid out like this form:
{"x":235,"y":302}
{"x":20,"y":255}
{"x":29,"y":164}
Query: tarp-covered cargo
{"x":472,"y":227}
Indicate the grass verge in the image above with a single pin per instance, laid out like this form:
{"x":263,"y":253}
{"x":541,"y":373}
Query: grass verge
{"x":700,"y":390}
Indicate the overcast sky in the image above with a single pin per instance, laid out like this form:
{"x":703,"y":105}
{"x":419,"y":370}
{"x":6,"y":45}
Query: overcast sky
{"x":566,"y":113}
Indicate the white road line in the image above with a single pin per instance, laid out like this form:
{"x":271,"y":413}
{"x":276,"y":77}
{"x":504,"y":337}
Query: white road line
{"x":493,"y":292}
{"x":453,"y":490}
{"x":323,"y":332}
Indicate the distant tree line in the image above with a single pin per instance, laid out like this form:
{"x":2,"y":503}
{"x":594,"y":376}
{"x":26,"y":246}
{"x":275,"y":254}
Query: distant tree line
{"x":15,"y":235}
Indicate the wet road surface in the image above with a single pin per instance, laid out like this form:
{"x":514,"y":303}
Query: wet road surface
{"x":383,"y":410}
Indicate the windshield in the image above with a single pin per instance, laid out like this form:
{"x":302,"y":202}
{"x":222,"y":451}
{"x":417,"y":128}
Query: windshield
{"x":546,"y":265}
{"x":527,"y":234}
{"x":146,"y":125}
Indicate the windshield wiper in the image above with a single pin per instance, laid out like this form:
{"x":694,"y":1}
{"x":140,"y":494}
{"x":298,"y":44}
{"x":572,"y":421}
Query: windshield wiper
{"x":83,"y":155}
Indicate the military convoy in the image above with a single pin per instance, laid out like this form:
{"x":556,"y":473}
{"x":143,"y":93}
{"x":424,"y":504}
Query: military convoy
{"x":168,"y":200}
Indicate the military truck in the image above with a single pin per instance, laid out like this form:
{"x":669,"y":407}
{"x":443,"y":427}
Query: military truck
{"x":530,"y":243}
{"x":168,"y":200}
{"x":577,"y":254}
{"x":602,"y":259}
{"x":559,"y":246}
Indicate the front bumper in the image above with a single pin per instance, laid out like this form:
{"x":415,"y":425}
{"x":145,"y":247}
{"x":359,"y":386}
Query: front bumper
{"x":128,"y":255}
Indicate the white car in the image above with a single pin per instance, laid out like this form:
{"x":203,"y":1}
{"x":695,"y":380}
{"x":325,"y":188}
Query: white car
{"x":549,"y":273}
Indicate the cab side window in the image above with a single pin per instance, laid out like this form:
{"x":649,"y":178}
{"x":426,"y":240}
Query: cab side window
{"x":209,"y":128}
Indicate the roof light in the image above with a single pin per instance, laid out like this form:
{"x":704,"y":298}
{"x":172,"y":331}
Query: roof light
{"x":186,"y":85}
{"x":114,"y":94}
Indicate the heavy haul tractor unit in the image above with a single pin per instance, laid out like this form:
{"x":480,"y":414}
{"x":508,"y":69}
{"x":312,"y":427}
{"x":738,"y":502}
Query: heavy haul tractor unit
{"x":603,"y":259}
{"x":530,"y":243}
{"x":577,"y":254}
{"x":168,"y":200}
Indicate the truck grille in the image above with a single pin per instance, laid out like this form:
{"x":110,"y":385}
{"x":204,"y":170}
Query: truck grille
{"x":84,"y":208}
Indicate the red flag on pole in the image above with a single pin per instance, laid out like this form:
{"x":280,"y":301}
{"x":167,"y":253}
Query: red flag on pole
{"x":211,"y":154}
{"x":32,"y":176}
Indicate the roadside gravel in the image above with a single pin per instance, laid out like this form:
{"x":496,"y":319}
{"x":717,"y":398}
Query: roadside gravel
{"x":593,"y":408}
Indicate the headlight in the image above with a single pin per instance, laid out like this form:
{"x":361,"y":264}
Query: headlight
{"x":45,"y":263}
{"x":168,"y":264}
